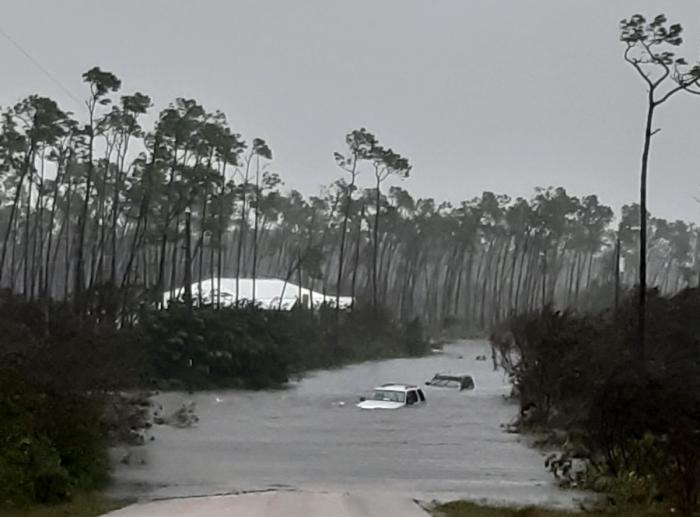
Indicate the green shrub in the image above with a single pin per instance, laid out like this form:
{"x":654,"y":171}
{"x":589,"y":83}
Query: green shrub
{"x":246,"y":347}
{"x":50,"y":445}
{"x":213,"y":348}
{"x":633,"y":414}
{"x":54,"y":418}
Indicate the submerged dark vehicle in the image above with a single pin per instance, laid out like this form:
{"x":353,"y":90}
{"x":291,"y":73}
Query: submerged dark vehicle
{"x":451,"y":380}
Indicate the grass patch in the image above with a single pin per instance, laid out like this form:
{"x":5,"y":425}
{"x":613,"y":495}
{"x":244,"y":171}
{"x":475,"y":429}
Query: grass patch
{"x":466,"y":509}
{"x":83,"y":505}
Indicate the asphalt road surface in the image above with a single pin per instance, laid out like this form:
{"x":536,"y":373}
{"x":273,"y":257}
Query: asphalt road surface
{"x":280,"y":504}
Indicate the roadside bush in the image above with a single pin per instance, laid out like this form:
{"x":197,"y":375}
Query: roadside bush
{"x":246,"y":347}
{"x":55,"y":350}
{"x":632,"y":414}
{"x":208,"y":348}
{"x":414,"y":340}
{"x":645,"y":425}
{"x":52,"y":438}
{"x":371,"y":333}
{"x":51,"y":445}
{"x":59,"y":390}
{"x":557,"y":361}
{"x":199,"y":348}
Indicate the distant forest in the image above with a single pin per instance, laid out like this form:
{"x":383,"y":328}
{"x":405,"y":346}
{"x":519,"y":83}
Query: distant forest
{"x":108,"y":214}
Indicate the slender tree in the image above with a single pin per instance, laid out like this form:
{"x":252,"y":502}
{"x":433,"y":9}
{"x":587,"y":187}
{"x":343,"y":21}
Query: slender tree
{"x":261,"y":150}
{"x":360,"y":144}
{"x":648,"y":50}
{"x":386,"y":163}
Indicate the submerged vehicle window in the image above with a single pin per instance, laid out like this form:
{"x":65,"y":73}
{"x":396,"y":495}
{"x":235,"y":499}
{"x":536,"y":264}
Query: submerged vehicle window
{"x":467,"y":383}
{"x":388,"y":395}
{"x":446,"y":382}
{"x":412,"y":397}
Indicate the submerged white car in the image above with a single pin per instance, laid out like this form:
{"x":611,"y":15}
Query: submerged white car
{"x":393,"y":396}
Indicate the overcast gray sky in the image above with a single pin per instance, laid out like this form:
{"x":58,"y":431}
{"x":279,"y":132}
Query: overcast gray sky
{"x":500,"y":95}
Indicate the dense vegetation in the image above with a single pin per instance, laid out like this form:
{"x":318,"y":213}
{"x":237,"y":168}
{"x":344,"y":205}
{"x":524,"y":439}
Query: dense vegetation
{"x":631,"y":421}
{"x":55,"y":380}
{"x":52,"y":444}
{"x":247,"y":347}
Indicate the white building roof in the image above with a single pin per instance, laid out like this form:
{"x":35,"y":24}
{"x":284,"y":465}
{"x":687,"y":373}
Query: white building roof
{"x":268,"y":293}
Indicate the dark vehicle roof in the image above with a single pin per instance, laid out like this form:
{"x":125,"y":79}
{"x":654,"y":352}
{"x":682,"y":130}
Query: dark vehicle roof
{"x":450,"y":376}
{"x":466,"y":382}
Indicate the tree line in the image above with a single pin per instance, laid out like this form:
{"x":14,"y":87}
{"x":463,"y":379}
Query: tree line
{"x":108,"y":214}
{"x":618,"y":389}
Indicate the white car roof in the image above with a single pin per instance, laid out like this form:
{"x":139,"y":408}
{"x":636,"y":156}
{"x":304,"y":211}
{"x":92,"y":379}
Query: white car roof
{"x":396,"y":387}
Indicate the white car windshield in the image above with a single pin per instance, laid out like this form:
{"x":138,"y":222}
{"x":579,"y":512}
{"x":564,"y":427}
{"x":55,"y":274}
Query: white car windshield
{"x":388,"y":396}
{"x":446,"y":382}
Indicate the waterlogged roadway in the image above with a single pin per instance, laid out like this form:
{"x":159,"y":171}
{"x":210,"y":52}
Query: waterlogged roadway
{"x":311,"y":437}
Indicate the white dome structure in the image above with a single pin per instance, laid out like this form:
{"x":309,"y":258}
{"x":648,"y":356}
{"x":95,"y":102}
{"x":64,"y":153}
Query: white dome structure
{"x":270,"y":293}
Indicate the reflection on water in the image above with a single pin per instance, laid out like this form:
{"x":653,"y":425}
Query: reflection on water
{"x":313,"y":437}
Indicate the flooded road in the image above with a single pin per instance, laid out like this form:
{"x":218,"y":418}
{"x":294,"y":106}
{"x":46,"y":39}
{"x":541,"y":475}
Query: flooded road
{"x":312,"y":437}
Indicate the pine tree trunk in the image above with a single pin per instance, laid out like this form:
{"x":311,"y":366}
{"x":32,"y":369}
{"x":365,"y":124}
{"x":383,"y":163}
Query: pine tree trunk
{"x":28,"y":158}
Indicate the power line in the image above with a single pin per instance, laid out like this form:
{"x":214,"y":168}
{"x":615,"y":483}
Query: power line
{"x":41,"y":67}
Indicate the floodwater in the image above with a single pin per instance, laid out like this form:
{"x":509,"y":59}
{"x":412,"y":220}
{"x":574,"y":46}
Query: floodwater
{"x":312,"y":437}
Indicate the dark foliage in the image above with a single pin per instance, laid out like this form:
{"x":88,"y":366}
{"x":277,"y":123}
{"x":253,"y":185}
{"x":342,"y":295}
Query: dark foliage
{"x":58,"y":407}
{"x":192,"y":348}
{"x":631,"y":419}
{"x":207,"y":348}
{"x":52,"y":445}
{"x":246,"y":347}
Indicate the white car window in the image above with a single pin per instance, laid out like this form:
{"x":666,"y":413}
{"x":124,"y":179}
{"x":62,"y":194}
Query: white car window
{"x":388,"y":396}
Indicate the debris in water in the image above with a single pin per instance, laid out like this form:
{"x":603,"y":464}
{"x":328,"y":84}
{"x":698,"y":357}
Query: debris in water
{"x":183,"y":417}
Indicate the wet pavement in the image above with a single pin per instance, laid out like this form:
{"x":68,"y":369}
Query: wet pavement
{"x":312,"y":437}
{"x":281,"y":504}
